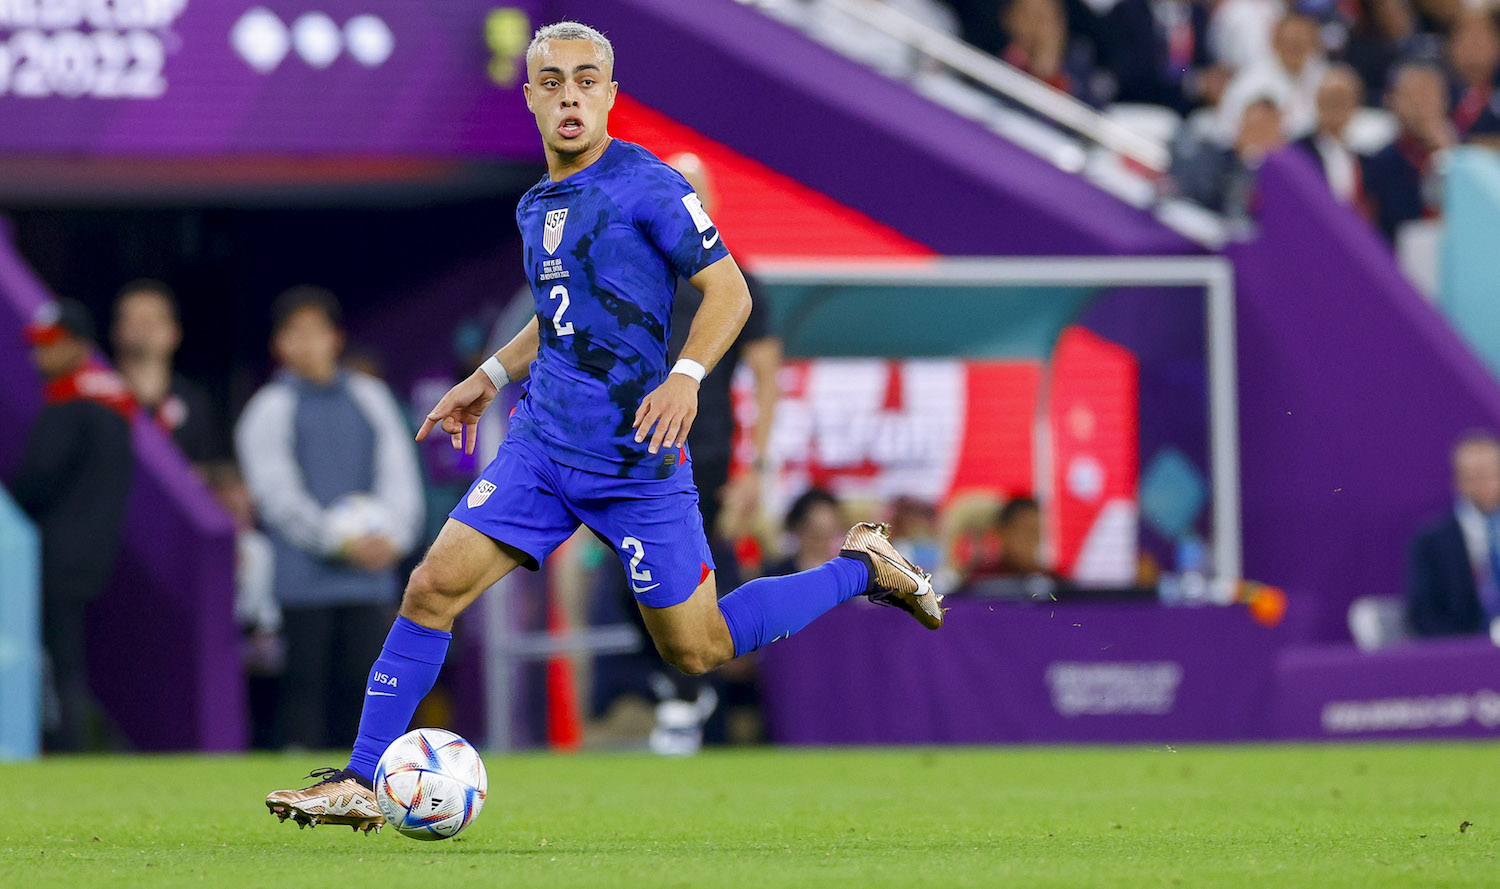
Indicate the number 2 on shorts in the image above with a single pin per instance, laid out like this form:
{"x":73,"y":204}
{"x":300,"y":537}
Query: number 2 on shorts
{"x":638,"y":552}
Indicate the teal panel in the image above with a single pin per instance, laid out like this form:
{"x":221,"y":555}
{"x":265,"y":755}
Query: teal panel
{"x":927,"y":320}
{"x":20,"y":634}
{"x":1469,"y":287}
{"x":1173,"y":493}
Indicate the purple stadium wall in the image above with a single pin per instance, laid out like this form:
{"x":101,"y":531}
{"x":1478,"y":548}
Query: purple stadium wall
{"x":1352,"y":391}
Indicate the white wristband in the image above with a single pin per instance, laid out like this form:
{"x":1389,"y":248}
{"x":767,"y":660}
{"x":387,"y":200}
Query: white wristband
{"x":690,"y":368}
{"x":496,"y":372}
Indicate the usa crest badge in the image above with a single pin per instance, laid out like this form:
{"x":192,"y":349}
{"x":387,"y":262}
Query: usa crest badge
{"x":481,"y":493}
{"x":553,"y":229}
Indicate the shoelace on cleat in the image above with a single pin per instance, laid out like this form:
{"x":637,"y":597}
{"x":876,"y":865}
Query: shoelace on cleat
{"x":327,"y":775}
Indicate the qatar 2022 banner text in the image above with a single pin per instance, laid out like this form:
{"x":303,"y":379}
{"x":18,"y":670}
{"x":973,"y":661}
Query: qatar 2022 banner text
{"x":217,"y":77}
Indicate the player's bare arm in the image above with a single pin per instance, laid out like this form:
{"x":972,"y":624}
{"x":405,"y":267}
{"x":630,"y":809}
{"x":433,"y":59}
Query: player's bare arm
{"x":673,"y":405}
{"x":459,"y":410}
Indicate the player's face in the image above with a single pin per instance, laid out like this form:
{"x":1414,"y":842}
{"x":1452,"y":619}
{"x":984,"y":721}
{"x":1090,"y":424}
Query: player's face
{"x":569,"y":90}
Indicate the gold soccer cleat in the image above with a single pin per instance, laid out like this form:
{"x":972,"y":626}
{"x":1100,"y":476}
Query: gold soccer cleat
{"x":894,"y":581}
{"x":339,"y":797}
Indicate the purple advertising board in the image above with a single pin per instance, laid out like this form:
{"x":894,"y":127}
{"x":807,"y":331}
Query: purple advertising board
{"x":259,"y":77}
{"x":1440,"y":688}
{"x":1003,"y":672}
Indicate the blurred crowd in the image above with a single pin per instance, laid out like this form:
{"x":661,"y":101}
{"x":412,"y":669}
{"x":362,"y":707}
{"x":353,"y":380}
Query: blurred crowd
{"x":322,"y":485}
{"x":1372,"y":90}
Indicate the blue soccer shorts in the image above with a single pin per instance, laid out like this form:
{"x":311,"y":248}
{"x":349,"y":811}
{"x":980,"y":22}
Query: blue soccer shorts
{"x":529,"y":501}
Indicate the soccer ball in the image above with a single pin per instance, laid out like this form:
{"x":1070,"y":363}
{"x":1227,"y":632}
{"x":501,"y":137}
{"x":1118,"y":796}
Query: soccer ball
{"x":430,"y":784}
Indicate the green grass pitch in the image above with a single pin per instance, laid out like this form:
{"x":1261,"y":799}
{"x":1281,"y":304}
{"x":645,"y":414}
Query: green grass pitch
{"x":1370,"y":816}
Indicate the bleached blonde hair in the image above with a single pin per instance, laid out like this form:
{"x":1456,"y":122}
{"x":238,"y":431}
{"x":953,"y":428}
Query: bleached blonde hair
{"x":570,"y":31}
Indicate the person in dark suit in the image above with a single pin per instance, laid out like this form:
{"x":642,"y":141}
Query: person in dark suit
{"x":1454,"y":587}
{"x":1400,"y":179}
{"x":1339,"y":95}
{"x":146,"y":332}
{"x":1473,"y":53}
{"x":1154,"y":50}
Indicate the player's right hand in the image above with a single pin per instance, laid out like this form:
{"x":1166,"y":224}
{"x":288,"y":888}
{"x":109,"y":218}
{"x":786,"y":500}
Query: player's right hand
{"x":458,"y":411}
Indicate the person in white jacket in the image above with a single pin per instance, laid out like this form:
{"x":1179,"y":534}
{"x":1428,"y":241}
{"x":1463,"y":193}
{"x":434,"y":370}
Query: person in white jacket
{"x":331,"y":468}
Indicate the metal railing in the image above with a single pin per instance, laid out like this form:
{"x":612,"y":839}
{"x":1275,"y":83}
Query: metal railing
{"x":1015,"y":85}
{"x":1028,"y":113}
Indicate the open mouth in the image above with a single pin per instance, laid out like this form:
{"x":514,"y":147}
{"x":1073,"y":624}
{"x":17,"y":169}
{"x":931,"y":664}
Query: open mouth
{"x":570,"y":128}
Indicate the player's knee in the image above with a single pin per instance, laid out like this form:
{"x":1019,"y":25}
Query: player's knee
{"x":692,"y":663}
{"x":427,"y":593}
{"x":694,"y":660}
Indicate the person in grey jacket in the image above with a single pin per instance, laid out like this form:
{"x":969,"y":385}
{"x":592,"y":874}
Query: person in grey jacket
{"x":331,"y":468}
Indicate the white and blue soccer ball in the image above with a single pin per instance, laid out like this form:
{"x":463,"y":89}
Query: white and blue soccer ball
{"x":430,"y":784}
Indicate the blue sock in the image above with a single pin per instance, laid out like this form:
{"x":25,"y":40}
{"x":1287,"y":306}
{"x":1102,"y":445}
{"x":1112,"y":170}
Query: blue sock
{"x":771,"y":608}
{"x":402,"y":676}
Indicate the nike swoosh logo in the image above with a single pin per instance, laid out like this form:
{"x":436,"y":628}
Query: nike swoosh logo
{"x":644,"y":589}
{"x":381,"y":694}
{"x":709,"y":242}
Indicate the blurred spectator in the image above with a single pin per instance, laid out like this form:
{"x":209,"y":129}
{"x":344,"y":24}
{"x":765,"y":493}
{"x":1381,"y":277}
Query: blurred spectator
{"x":1384,"y":33}
{"x":1021,"y":572}
{"x":145,"y":334}
{"x":1474,"y":56}
{"x":74,"y":481}
{"x":1338,"y":98}
{"x":1290,"y":76}
{"x":1003,"y":555}
{"x":914,"y":528}
{"x":711,"y":441}
{"x":979,"y":24}
{"x":971,"y":544}
{"x":1454,"y":586}
{"x":332,"y":469}
{"x":815,"y":522}
{"x":1437,"y":16}
{"x":1154,"y":50}
{"x":1400,"y":179}
{"x":255,"y":608}
{"x":1037,"y":42}
{"x":1485,"y":133}
{"x":1020,"y":527}
{"x":1223,"y":179}
{"x":1239,"y":32}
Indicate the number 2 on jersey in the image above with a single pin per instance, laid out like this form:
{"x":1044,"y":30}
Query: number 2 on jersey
{"x":563,"y":327}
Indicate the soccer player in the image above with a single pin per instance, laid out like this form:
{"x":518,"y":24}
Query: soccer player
{"x":599,"y":437}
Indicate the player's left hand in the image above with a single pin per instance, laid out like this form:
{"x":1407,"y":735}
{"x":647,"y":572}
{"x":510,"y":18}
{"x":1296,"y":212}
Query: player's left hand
{"x":671,"y":408}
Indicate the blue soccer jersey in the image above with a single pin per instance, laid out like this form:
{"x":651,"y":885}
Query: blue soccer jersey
{"x":603,"y":251}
